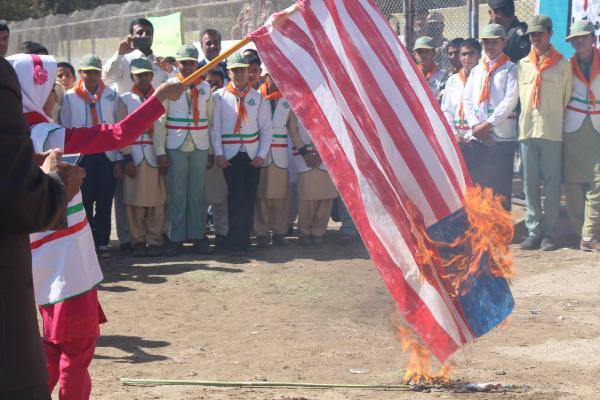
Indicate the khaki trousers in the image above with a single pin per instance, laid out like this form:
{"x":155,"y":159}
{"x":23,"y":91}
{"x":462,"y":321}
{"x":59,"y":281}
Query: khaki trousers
{"x":313,"y":217}
{"x":146,"y":224}
{"x":271,"y":214}
{"x":583,"y":207}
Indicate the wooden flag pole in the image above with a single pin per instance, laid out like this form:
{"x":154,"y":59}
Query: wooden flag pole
{"x":215,"y":61}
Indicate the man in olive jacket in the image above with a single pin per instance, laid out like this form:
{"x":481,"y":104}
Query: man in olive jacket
{"x":30,"y":201}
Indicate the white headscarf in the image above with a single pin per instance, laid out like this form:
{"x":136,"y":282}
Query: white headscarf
{"x":36,"y":75}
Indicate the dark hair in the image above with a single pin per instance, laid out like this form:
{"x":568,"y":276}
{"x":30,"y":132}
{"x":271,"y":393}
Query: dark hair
{"x":210,"y":32}
{"x":4,"y":26}
{"x":251,"y":51}
{"x":470,"y":42}
{"x":141,"y":22}
{"x":456,"y":42}
{"x":29,"y":47}
{"x":217,"y":71}
{"x":252,"y":59}
{"x":508,"y":9}
{"x":170,"y":59}
{"x":64,"y":64}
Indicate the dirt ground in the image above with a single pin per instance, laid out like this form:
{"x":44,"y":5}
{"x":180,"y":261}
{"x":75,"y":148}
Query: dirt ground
{"x":312,"y":314}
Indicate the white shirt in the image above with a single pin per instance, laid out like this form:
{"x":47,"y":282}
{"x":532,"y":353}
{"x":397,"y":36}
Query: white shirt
{"x":116,"y":71}
{"x":499,"y":109}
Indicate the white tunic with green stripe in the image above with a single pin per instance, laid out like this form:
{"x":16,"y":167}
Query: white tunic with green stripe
{"x":500,"y":108}
{"x":64,"y":261}
{"x":256,"y":132}
{"x":278,"y":155}
{"x":143,"y":148}
{"x":180,"y":119}
{"x":581,"y":106}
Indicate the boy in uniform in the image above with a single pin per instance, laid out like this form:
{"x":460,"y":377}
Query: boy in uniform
{"x":144,"y":189}
{"x":181,"y":143}
{"x":424,"y":53}
{"x":316,"y":190}
{"x":272,"y":204}
{"x":242,"y":135}
{"x":490,"y":102}
{"x":88,"y":104}
{"x":545,"y":85}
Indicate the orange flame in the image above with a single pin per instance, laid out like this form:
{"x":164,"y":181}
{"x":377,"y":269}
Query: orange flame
{"x":418,"y":367}
{"x":489,"y":234}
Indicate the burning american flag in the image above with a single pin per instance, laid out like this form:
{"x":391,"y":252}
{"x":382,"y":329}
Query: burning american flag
{"x":440,"y":246}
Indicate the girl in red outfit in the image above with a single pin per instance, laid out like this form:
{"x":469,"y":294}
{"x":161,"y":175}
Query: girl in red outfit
{"x":65,"y":266}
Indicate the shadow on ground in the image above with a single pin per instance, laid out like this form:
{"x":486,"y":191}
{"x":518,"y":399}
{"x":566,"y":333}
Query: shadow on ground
{"x":134,"y":345}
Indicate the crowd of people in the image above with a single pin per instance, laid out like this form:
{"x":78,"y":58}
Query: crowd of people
{"x":511,"y":92}
{"x":234,"y":163}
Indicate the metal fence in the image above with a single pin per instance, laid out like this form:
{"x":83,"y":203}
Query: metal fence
{"x":98,"y":30}
{"x":446,"y":19}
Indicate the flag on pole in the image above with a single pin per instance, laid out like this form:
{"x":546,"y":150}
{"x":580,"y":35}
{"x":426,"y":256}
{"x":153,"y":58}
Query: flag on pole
{"x":393,"y":158}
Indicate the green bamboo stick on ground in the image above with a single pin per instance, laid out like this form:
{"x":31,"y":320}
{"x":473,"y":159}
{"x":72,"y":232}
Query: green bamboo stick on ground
{"x":309,"y":385}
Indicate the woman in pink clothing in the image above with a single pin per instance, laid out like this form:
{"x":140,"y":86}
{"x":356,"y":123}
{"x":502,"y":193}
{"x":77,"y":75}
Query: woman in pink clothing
{"x":65,"y":266}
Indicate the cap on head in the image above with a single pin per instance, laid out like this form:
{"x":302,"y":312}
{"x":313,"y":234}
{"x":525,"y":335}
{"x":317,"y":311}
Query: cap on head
{"x":539,"y":23}
{"x":581,"y":27}
{"x":424,"y":42}
{"x":496,"y":4}
{"x":90,"y":62}
{"x":492,"y":31}
{"x":187,"y":52}
{"x":139,"y":66}
{"x":236,"y":61}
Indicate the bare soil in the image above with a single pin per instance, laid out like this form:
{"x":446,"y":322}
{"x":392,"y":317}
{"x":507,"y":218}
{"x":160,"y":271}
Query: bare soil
{"x":310,"y":314}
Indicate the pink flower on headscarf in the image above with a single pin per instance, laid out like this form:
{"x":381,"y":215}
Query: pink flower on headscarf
{"x":40,"y":74}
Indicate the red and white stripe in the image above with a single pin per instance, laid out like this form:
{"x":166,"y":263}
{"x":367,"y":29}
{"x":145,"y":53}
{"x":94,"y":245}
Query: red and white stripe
{"x":383,"y":139}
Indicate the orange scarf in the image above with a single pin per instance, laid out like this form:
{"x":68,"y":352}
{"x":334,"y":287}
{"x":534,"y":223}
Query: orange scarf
{"x":595,"y":72}
{"x":461,"y":111}
{"x":144,"y":97}
{"x":485,"y":89}
{"x":551,"y":59}
{"x":241,"y":105}
{"x":83,"y":93}
{"x":264,"y":91}
{"x":194,"y":94}
{"x":430,"y":73}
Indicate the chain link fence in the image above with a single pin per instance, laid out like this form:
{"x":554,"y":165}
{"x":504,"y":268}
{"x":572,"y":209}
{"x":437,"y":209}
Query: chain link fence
{"x":99,"y":30}
{"x":443,"y":19}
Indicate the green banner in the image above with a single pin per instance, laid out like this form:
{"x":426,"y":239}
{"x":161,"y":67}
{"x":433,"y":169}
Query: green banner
{"x":167,"y":34}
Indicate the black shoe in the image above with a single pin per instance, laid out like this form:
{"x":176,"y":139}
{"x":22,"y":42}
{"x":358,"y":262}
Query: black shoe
{"x":154,"y":251}
{"x":173,"y":249}
{"x":531,"y":243}
{"x":316,"y":240}
{"x":103,"y":252}
{"x":548,"y":244}
{"x":221,"y":242}
{"x":139,"y":250}
{"x":202,"y":247}
{"x":304,"y":240}
{"x":125,"y":247}
{"x":263,"y":241}
{"x":279,"y":240}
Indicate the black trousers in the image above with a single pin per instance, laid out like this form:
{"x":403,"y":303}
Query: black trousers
{"x":98,"y":190}
{"x":491,"y":166}
{"x":242,"y":183}
{"x":40,"y":392}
